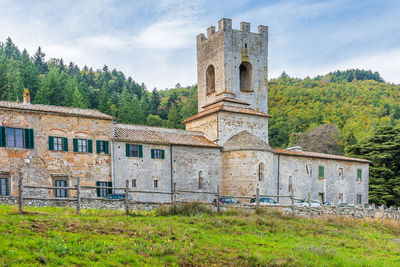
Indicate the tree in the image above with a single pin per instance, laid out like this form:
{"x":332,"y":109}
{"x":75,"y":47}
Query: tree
{"x":383,"y":149}
{"x":29,"y":74}
{"x":50,"y":91}
{"x":78,"y":100}
{"x":11,"y":50}
{"x":104,"y":103}
{"x":155,"y":120}
{"x":154,"y":102}
{"x":174,"y":118}
{"x":39,"y":61}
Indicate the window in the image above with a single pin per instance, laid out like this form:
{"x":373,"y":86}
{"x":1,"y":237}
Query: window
{"x":290,"y":188}
{"x":61,"y":192}
{"x":359,"y":174}
{"x":4,"y":189}
{"x":340,"y":198}
{"x":15,"y":137}
{"x":201,"y":180}
{"x":102,"y":146}
{"x":134,"y":183}
{"x":321,"y":196}
{"x":157,"y":154}
{"x":341,"y":173}
{"x":321,"y":171}
{"x":261,"y":172}
{"x":102,"y":191}
{"x":134,"y":150}
{"x":83,"y":145}
{"x":245,"y":73}
{"x":58,"y":143}
{"x":156,"y":183}
{"x":359,"y":199}
{"x":210,"y":79}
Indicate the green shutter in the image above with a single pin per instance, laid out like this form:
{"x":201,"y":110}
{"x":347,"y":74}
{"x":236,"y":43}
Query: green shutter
{"x":106,"y":148}
{"x":109,"y":191}
{"x":128,"y":150}
{"x":27,"y":140}
{"x":65,"y":144}
{"x":152,"y":153}
{"x":162,"y":154}
{"x":2,"y":136}
{"x":51,"y":143}
{"x":98,"y":189}
{"x":359,"y":174}
{"x":31,"y":139}
{"x":98,"y":146}
{"x":90,"y":146}
{"x":75,"y":143}
{"x":140,"y":151}
{"x":321,"y":172}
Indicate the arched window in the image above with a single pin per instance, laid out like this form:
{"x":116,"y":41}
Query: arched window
{"x":261,"y":168}
{"x":210,"y":79}
{"x":201,"y":180}
{"x":290,"y":184}
{"x":246,"y":71}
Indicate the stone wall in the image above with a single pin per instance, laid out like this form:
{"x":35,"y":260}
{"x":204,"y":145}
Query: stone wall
{"x":45,"y":165}
{"x":303,"y":172}
{"x":185,"y":162}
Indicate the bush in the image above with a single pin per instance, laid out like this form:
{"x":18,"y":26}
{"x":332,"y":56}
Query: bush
{"x":185,"y":209}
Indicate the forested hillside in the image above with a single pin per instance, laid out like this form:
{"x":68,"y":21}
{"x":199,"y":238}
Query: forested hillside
{"x":110,"y":91}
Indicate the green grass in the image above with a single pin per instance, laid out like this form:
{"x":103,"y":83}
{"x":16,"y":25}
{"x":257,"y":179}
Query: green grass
{"x":59,"y":237}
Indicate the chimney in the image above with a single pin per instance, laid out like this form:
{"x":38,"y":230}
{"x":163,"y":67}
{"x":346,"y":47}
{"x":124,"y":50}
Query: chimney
{"x":27,"y":97}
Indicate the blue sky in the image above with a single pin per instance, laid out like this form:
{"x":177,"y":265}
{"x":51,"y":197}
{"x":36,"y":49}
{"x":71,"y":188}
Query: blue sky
{"x":154,"y":41}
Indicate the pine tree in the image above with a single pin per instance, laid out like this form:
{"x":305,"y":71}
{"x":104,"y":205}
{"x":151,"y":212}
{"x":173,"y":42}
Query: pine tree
{"x":155,"y":120}
{"x":154,"y":102}
{"x":39,"y":61}
{"x":11,"y":50}
{"x":174,"y":118}
{"x":29,"y":74}
{"x":104,"y":102}
{"x":78,"y":100}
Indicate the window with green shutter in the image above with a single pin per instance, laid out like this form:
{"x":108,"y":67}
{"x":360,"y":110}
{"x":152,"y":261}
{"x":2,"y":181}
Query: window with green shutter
{"x":321,"y":172}
{"x":128,"y":150}
{"x":65,"y":144}
{"x":157,"y":154}
{"x":29,"y":140}
{"x":90,"y":146}
{"x":102,"y":146}
{"x":75,"y":144}
{"x":51,"y":143}
{"x":140,"y":151}
{"x":359,"y":174}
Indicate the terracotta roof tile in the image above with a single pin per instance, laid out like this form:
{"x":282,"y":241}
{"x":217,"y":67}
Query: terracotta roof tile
{"x":147,"y":134}
{"x":316,"y":155}
{"x":222,"y":107}
{"x":89,"y":113}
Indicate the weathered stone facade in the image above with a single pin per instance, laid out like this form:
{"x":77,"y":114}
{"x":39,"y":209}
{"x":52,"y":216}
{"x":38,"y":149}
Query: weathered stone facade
{"x":45,"y":165}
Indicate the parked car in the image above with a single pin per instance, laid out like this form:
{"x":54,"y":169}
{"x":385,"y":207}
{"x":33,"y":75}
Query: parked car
{"x":345,"y":205}
{"x":265,"y":201}
{"x":227,"y":200}
{"x":328,"y":204}
{"x":304,"y":203}
{"x":118,"y":196}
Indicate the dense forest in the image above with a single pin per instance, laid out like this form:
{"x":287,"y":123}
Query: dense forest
{"x":344,"y":112}
{"x":54,"y":83}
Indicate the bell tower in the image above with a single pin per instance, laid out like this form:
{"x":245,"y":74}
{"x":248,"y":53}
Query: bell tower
{"x":232,"y":65}
{"x":232,"y":68}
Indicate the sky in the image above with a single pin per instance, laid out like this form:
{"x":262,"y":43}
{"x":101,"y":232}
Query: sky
{"x":154,"y":42}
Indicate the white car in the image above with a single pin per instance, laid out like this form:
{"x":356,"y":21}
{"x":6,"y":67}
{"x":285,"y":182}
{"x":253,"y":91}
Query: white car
{"x":304,"y":203}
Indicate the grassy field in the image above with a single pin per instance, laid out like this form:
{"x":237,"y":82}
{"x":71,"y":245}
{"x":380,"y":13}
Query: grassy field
{"x":56,"y":237}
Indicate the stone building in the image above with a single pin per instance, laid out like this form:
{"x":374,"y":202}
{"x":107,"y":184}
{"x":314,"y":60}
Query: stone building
{"x":54,"y":145}
{"x":225,"y":144}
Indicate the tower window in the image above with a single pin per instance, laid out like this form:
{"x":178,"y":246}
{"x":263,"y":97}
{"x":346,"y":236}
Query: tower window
{"x":210,"y":79}
{"x":245,"y":70}
{"x":261,"y":172}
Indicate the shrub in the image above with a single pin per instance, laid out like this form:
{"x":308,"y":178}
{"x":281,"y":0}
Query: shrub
{"x":185,"y":209}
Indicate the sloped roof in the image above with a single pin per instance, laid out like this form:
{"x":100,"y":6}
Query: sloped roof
{"x":302,"y":153}
{"x":246,"y":141}
{"x":223,"y":107}
{"x":156,"y":135}
{"x":89,"y":113}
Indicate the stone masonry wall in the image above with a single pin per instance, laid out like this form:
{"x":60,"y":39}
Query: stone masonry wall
{"x":304,"y":175}
{"x":45,"y":164}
